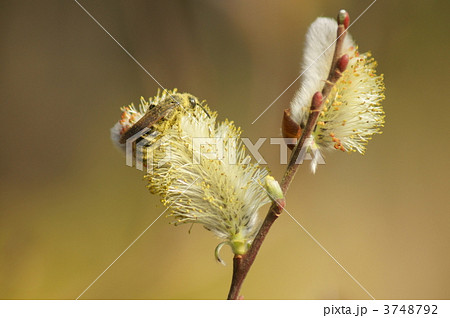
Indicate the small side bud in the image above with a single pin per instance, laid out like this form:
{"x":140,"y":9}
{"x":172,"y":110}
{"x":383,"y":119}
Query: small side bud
{"x":343,"y":18}
{"x":316,"y":101}
{"x":273,"y":188}
{"x":342,"y":63}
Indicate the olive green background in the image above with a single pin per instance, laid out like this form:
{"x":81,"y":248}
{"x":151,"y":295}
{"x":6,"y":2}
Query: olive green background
{"x":70,"y":206}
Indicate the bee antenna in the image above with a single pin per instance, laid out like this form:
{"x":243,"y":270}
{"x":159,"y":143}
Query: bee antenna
{"x":201,"y":106}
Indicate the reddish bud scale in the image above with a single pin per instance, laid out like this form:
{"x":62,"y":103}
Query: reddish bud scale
{"x":281,"y":203}
{"x":343,"y":62}
{"x":289,"y":128}
{"x":316,"y":101}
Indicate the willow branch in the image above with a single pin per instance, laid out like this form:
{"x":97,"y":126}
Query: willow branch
{"x":243,"y":263}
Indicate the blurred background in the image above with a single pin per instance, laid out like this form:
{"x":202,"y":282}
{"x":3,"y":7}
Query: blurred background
{"x":70,"y":205}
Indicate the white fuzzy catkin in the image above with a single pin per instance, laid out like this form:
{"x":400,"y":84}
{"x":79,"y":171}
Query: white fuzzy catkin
{"x":316,"y":63}
{"x":223,"y":193}
{"x":351,"y":113}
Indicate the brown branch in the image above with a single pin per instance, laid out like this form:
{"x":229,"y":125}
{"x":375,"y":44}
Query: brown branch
{"x":242,"y":263}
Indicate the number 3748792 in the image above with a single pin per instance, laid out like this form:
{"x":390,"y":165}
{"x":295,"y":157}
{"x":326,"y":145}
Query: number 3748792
{"x":410,"y":309}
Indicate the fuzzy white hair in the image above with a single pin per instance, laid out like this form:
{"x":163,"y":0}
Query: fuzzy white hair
{"x":317,"y":59}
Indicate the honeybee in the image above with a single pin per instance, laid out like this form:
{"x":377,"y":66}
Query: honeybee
{"x":161,"y":110}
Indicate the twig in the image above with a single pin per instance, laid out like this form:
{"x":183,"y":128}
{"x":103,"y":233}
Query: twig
{"x":242,"y":263}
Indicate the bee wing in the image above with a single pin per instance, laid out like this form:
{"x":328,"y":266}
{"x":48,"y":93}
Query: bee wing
{"x":151,"y":117}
